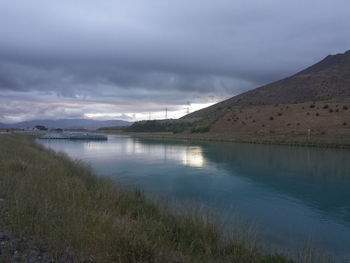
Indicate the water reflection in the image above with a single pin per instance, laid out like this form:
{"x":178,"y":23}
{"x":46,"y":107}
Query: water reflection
{"x":188,"y":155}
{"x":184,"y":154}
{"x":193,"y":156}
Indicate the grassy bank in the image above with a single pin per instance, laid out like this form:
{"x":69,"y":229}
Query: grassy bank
{"x":62,"y":209}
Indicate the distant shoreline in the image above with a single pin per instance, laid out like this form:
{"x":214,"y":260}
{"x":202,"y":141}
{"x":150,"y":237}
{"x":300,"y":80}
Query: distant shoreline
{"x":278,"y":139}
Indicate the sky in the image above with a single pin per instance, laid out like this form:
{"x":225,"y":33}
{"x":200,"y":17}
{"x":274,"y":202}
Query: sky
{"x":133,"y":59}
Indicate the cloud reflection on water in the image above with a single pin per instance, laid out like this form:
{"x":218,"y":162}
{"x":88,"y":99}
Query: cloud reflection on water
{"x":187,"y":155}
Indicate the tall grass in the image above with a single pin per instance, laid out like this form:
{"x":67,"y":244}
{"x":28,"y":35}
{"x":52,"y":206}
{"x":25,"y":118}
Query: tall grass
{"x":61,"y":207}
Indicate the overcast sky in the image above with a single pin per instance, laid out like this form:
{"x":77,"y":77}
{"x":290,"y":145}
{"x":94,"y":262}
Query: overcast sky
{"x":123,"y":59}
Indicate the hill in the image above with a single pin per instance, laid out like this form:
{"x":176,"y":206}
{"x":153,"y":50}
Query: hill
{"x":67,"y":124}
{"x":326,"y":80}
{"x":315,"y":100}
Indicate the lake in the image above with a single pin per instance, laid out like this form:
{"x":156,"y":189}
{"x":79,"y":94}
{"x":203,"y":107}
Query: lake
{"x":290,"y":194}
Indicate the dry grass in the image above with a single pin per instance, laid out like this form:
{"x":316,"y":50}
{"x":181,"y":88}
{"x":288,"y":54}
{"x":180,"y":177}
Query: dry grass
{"x":326,"y":118}
{"x":60,"y":206}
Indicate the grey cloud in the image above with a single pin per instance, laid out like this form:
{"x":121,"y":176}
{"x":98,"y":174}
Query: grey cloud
{"x":159,"y":52}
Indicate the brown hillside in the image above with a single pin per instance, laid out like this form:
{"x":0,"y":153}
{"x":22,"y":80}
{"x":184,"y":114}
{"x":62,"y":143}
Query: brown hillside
{"x":321,"y":118}
{"x":329,"y":79}
{"x":313,"y":102}
{"x":310,"y":107}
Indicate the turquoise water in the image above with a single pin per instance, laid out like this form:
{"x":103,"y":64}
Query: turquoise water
{"x":291,"y":194}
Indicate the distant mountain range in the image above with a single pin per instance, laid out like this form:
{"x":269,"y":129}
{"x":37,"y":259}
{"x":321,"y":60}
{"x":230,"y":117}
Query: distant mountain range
{"x":67,"y":124}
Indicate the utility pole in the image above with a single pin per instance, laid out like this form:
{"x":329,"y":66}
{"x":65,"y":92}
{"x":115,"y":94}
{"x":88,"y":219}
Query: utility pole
{"x":149,"y":116}
{"x":166,"y":113}
{"x":188,"y":107}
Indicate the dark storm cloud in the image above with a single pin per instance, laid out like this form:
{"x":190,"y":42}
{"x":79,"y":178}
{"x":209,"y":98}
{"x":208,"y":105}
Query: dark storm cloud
{"x":156,"y":52}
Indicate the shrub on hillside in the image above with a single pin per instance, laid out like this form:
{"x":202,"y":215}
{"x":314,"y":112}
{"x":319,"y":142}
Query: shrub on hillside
{"x":200,"y":129}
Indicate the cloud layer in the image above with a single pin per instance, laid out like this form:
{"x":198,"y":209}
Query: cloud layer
{"x":128,"y":58}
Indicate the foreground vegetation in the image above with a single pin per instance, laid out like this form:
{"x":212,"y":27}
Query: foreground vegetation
{"x":59,"y":207}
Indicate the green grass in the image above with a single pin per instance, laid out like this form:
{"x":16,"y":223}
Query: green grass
{"x":60,"y":206}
